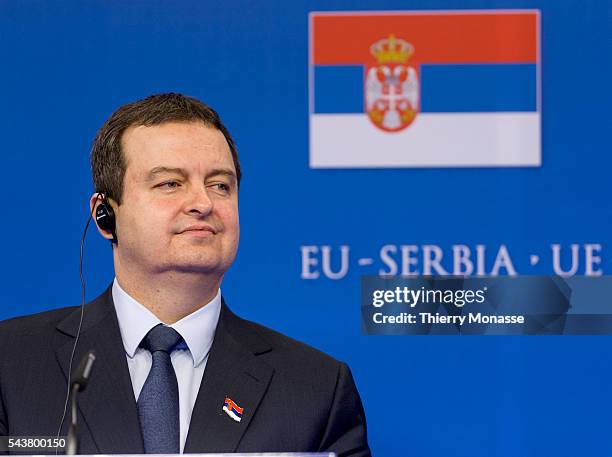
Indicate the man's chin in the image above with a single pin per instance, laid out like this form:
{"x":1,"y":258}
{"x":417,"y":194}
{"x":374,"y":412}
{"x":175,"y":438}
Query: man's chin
{"x":198,"y":269}
{"x":199,"y":266}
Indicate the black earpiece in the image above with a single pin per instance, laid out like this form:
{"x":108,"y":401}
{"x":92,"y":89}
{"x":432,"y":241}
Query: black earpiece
{"x":105,"y":217}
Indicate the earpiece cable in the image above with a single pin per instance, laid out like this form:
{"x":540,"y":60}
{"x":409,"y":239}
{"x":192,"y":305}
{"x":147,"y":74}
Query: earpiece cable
{"x":76,"y":340}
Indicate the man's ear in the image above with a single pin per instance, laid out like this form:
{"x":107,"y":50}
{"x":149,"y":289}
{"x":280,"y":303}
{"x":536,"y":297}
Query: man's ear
{"x":103,"y":214}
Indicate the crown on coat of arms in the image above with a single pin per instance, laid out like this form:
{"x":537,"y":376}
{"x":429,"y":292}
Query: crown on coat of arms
{"x":392,"y":50}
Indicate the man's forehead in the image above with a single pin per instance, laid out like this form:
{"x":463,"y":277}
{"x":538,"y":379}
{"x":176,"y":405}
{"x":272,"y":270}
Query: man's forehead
{"x":175,"y":145}
{"x":174,"y":131}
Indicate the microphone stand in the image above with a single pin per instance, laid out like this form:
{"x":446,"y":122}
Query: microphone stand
{"x":78,"y":385}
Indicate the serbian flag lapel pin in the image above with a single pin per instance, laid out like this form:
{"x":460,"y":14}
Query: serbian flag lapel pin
{"x":232,"y":409}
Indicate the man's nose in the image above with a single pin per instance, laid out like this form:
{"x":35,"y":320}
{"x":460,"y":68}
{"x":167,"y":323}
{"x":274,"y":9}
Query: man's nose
{"x":199,"y":202}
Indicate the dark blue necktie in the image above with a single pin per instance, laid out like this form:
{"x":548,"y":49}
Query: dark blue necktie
{"x":158,"y":403}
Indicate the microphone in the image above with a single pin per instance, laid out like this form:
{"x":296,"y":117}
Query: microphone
{"x":81,"y":378}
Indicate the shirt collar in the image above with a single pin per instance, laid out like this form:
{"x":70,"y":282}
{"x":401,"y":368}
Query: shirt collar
{"x":135,"y":321}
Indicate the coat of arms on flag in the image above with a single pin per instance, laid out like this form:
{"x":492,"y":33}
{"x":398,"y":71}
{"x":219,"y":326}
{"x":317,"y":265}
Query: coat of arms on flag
{"x":392,"y":85}
{"x":232,"y":409}
{"x":425,"y":89}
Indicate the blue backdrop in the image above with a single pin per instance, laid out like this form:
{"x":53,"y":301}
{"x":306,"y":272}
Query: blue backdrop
{"x":66,"y":65}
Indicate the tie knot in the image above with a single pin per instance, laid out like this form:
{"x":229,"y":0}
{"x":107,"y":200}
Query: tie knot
{"x":161,"y":338}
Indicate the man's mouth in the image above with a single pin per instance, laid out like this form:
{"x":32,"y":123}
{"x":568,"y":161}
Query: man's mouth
{"x":199,"y":230}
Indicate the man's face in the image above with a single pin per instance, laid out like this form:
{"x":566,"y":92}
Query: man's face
{"x":179,"y":209}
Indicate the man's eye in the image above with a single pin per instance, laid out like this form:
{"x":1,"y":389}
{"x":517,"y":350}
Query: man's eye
{"x":222,"y":187}
{"x":168,"y":185}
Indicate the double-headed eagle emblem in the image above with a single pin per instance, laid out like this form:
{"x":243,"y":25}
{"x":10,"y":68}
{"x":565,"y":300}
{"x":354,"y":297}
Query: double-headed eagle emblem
{"x":392,"y":85}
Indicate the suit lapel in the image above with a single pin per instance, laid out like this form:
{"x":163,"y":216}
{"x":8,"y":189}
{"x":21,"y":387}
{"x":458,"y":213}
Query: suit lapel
{"x":233,"y":370}
{"x":107,"y":405}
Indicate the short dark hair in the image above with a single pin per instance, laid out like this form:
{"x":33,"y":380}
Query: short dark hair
{"x":108,"y":163}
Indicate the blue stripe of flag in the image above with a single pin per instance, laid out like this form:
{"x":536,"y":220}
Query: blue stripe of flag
{"x":476,"y":88}
{"x":338,"y":89}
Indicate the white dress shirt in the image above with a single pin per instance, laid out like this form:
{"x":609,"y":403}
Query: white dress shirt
{"x":197,"y":329}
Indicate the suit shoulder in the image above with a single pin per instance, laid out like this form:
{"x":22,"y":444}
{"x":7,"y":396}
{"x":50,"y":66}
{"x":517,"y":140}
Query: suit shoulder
{"x":35,"y":323}
{"x":288,"y":348}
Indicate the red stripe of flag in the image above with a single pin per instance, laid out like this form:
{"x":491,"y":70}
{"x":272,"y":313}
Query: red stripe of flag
{"x":231,"y":405}
{"x":459,"y":37}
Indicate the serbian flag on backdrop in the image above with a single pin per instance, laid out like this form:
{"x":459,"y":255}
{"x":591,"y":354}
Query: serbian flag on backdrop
{"x":425,"y":89}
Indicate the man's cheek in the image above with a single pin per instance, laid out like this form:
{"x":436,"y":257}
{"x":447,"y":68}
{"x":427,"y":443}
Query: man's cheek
{"x":228,"y":216}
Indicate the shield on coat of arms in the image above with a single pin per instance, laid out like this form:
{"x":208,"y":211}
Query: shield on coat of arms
{"x":392,"y":85}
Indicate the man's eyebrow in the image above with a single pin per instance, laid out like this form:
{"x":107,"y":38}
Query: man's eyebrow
{"x":223,"y":172}
{"x":160,"y":170}
{"x":182,"y":172}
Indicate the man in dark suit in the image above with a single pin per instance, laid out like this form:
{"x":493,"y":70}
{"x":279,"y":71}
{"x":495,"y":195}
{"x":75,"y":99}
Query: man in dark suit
{"x":176,"y":370}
